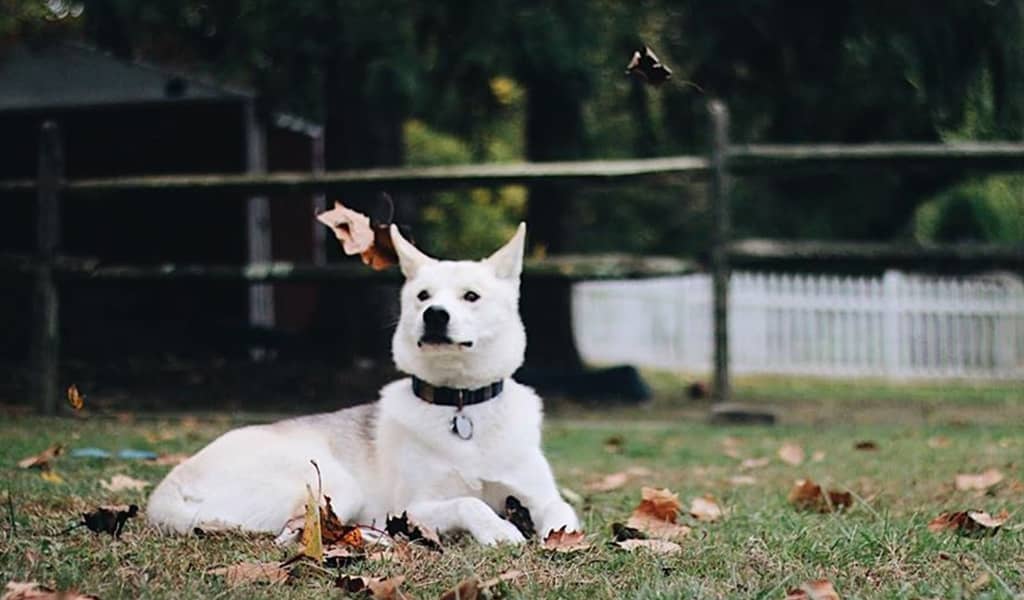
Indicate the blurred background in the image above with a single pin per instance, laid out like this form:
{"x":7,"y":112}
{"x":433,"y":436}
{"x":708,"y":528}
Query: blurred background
{"x":250,"y":86}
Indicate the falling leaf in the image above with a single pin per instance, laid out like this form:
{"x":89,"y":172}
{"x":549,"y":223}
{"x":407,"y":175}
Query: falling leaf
{"x":51,"y":476}
{"x":372,"y":587}
{"x":109,"y":519}
{"x":170,"y":460}
{"x":971,"y":523}
{"x":742,"y":480}
{"x":560,"y":540}
{"x":30,"y":590}
{"x":75,"y":399}
{"x":705,"y":508}
{"x":655,"y":546}
{"x":657,"y":514}
{"x":807,"y":495}
{"x":519,"y":515}
{"x":791,"y":454}
{"x":609,"y":482}
{"x":939,"y":441}
{"x":371,"y":241}
{"x":754,"y":463}
{"x":252,"y":572}
{"x":818,"y":589}
{"x":420,"y":534}
{"x":866,"y":445}
{"x":645,"y":66}
{"x":120,"y":483}
{"x":43,"y":459}
{"x":981,"y":481}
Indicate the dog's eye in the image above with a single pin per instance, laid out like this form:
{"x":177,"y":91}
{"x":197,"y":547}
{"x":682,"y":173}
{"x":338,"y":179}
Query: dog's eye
{"x":471,"y":296}
{"x":423,"y":296}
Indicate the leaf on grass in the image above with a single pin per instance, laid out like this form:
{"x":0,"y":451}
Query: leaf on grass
{"x":818,"y":589}
{"x":609,"y":482}
{"x":705,"y":508}
{"x":335,"y":533}
{"x":818,"y":456}
{"x":120,"y":483}
{"x":742,"y":480}
{"x":621,"y":533}
{"x":560,"y":540}
{"x":51,"y":476}
{"x":75,"y":398}
{"x":754,"y":463}
{"x":312,"y":535}
{"x":43,"y":459}
{"x":372,"y":587}
{"x":866,"y":445}
{"x":981,"y":481}
{"x":939,"y":441}
{"x":252,"y":572}
{"x":655,"y":546}
{"x":614,"y":444}
{"x":109,"y":519}
{"x":519,"y":515}
{"x":791,"y":454}
{"x":657,"y":513}
{"x":731,"y":447}
{"x":371,"y":241}
{"x":403,"y":526}
{"x":467,"y":589}
{"x":970,"y":523}
{"x":30,"y":590}
{"x":807,"y":495}
{"x":170,"y":460}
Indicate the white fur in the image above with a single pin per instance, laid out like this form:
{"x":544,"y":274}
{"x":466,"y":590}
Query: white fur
{"x":397,"y":454}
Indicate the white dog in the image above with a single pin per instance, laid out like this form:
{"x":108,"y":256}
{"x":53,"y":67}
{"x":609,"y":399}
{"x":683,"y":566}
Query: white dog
{"x":448,"y":445}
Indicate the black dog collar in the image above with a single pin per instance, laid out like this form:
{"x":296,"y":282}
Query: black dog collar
{"x":445,"y":396}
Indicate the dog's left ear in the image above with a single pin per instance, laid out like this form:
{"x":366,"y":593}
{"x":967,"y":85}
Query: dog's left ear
{"x":507,"y":261}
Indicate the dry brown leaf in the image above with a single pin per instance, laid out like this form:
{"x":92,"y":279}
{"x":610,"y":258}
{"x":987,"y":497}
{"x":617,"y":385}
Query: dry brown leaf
{"x":43,"y":459}
{"x":655,"y":546}
{"x":510,"y":576}
{"x":614,"y":444}
{"x":981,"y":582}
{"x":818,"y":589}
{"x":517,"y":514}
{"x":939,"y":441}
{"x":120,"y":483}
{"x":791,"y":454}
{"x":170,"y":460}
{"x":30,"y":590}
{"x":560,"y":540}
{"x":467,"y":589}
{"x":742,"y":480}
{"x":109,"y":519}
{"x":75,"y":399}
{"x":403,"y":526}
{"x":705,"y":508}
{"x":609,"y":482}
{"x":51,"y":476}
{"x":657,"y":513}
{"x":252,"y":572}
{"x":866,"y":445}
{"x":807,"y":495}
{"x":754,"y":463}
{"x":372,"y":242}
{"x":971,"y":523}
{"x":731,"y":446}
{"x":818,"y":456}
{"x":372,"y":587}
{"x":336,"y":533}
{"x":981,"y":481}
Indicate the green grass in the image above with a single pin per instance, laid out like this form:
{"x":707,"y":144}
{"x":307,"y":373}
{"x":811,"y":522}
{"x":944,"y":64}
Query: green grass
{"x":879,"y":548}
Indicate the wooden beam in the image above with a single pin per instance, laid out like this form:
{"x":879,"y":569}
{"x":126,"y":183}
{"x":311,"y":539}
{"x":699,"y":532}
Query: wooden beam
{"x":45,"y":352}
{"x":720,"y":232}
{"x":769,"y":249}
{"x":771,"y":158}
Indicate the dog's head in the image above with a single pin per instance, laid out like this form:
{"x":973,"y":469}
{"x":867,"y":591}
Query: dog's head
{"x":460,"y":324}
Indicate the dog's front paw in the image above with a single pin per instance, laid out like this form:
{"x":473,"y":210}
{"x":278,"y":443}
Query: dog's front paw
{"x":496,"y":532}
{"x":556,"y":516}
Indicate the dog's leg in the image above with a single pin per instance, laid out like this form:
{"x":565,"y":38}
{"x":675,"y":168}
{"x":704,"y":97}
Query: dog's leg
{"x":534,"y":485}
{"x":465,"y":514}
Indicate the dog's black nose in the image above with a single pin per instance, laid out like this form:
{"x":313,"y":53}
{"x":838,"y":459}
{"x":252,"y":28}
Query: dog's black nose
{"x":435,"y":318}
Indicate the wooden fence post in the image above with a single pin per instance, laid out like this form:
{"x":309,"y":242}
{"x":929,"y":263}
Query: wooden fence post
{"x":719,"y":121}
{"x":46,"y":319}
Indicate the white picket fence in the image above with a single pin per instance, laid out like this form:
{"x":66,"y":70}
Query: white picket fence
{"x":897,"y":325}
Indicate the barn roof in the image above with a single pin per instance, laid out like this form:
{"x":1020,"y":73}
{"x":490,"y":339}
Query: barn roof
{"x":67,"y":75}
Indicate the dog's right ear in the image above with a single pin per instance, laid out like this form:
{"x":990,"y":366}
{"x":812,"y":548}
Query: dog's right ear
{"x":410,"y":259}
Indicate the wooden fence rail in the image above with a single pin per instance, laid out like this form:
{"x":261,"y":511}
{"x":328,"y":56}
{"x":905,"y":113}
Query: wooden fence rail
{"x":722,"y":160}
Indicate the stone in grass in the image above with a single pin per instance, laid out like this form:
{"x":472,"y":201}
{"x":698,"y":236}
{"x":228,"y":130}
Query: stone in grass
{"x":731,"y":413}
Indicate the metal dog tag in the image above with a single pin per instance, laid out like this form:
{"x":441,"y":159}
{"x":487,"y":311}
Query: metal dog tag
{"x":462,"y":426}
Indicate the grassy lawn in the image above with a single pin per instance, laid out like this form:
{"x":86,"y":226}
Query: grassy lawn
{"x":879,"y":548}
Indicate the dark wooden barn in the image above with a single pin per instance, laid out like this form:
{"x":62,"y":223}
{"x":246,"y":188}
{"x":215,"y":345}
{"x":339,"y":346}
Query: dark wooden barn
{"x":121,"y":118}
